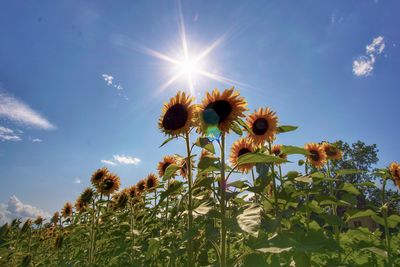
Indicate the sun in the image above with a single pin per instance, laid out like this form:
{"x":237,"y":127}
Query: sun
{"x":188,"y":66}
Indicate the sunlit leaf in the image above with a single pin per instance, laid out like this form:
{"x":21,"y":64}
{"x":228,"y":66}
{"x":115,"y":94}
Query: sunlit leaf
{"x":167,"y":140}
{"x":377,"y":251}
{"x":293,"y":150}
{"x":350,"y":189}
{"x":205,"y":143}
{"x":274,"y":250}
{"x":250,"y":220}
{"x":348,"y":171}
{"x":286,"y":128}
{"x":257,"y":157}
{"x":359,"y":214}
{"x":170,"y":171}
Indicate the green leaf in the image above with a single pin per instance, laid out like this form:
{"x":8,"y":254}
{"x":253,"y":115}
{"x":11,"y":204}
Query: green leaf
{"x":289,"y":150}
{"x":154,"y":245}
{"x":173,"y":187}
{"x":238,"y":184}
{"x":167,"y":140}
{"x":206,"y":162}
{"x":257,"y":157}
{"x":348,"y":171}
{"x":205,"y":143}
{"x":203,"y":180}
{"x":170,"y":171}
{"x":304,"y":179}
{"x":254,"y":260}
{"x":250,"y":220}
{"x":203,"y":209}
{"x":236,"y":128}
{"x":358,"y":214}
{"x":377,"y":251}
{"x":286,"y":128}
{"x":350,"y":189}
{"x":244,"y":125}
{"x":274,"y":250}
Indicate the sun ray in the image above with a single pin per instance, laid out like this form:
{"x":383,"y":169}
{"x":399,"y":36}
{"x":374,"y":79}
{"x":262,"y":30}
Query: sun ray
{"x":222,"y":79}
{"x":210,"y":48}
{"x":169,"y":82}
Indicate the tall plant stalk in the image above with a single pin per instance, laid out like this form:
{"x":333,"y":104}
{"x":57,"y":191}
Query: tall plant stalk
{"x":384,"y":213}
{"x":190,"y":211}
{"x":223,"y":204}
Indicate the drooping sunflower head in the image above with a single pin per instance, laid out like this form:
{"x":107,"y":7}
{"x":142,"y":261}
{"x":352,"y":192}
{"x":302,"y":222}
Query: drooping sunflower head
{"x":332,"y":152}
{"x":317,"y":156}
{"x":67,"y":210}
{"x":241,"y":147}
{"x":277,"y":151}
{"x":109,"y":184}
{"x":151,"y":182}
{"x":38,"y":220}
{"x":79,"y":205}
{"x":264,"y":125}
{"x":220,"y":110}
{"x":163,"y":165}
{"x":98,"y":176}
{"x":394,"y":170}
{"x":183,"y":163}
{"x":56,"y":217}
{"x":87,"y":196}
{"x":141,"y":187}
{"x":132,"y":192}
{"x":119,"y":200}
{"x":177,"y":115}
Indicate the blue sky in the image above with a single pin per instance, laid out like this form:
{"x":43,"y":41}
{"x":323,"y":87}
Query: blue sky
{"x":59,"y":117}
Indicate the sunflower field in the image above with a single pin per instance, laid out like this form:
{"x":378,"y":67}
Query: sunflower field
{"x":219,"y":205}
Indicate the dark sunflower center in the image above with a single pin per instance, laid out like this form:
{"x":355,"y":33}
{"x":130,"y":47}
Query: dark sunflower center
{"x":276,"y":152}
{"x":108,"y":184}
{"x":98,"y":176}
{"x":314,"y":155}
{"x":175,"y":117}
{"x":165,"y":166}
{"x":141,"y":187}
{"x":331,"y":151}
{"x":260,"y":126}
{"x":243,"y":151}
{"x":222,"y":108}
{"x":150,"y":183}
{"x":67,"y":210}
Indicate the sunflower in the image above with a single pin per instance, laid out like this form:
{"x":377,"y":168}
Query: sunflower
{"x":141,"y":187}
{"x":240,"y":147}
{"x":55,"y":218}
{"x":120,"y":200}
{"x":79,"y":205}
{"x":221,"y":109}
{"x":182,"y":162}
{"x":39,"y":220}
{"x":163,"y":165}
{"x":331,"y":151}
{"x":264,"y":125}
{"x":277,"y":151}
{"x":178,"y":115}
{"x":98,"y":176}
{"x":151,"y":182}
{"x":132,"y":191}
{"x":67,"y":210}
{"x":109,"y":184}
{"x":87,"y":196}
{"x":394,"y":170}
{"x":317,"y":156}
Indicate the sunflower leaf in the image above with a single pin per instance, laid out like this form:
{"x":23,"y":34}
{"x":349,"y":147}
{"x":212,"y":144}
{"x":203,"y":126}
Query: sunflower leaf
{"x":236,"y":128}
{"x":167,"y":140}
{"x":348,"y":171}
{"x":244,"y":125}
{"x":286,"y":128}
{"x":170,"y":171}
{"x":257,"y":157}
{"x":250,"y":220}
{"x":350,"y":189}
{"x":358,"y":214}
{"x":205,"y":143}
{"x":293,"y":150}
{"x":173,"y":187}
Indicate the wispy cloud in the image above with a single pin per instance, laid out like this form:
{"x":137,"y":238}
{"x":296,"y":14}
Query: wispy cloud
{"x":7,"y":134}
{"x":108,"y":162}
{"x":109,"y":79}
{"x":19,"y":112}
{"x":16,"y":209}
{"x":364,"y":65}
{"x":36,"y":140}
{"x":121,"y":159}
{"x":77,"y":181}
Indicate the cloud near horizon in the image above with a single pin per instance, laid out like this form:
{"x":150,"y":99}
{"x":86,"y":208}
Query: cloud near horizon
{"x":15,"y":209}
{"x":7,"y":134}
{"x":364,"y":65}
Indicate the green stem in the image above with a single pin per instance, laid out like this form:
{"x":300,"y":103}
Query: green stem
{"x":166,"y":206}
{"x":334,"y":209}
{"x":384,"y":213}
{"x":223,"y":204}
{"x":190,"y":211}
{"x":274,"y":183}
{"x":254,"y":184}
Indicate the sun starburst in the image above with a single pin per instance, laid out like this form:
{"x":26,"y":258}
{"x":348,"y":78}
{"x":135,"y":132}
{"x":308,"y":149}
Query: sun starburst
{"x":189,"y":66}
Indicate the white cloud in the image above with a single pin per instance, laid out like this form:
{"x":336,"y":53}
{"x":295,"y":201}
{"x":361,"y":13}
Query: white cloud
{"x":7,"y":134}
{"x":109,"y":162}
{"x":126,"y":159}
{"x":19,"y":112}
{"x":364,"y":65}
{"x":110,"y":82}
{"x":77,"y":181}
{"x":16,"y":209}
{"x":36,"y":140}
